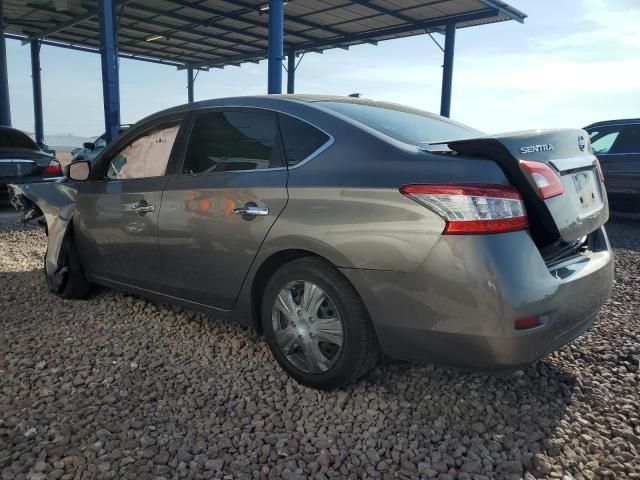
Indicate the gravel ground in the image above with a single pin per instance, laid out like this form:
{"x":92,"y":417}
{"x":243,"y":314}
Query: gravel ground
{"x":118,"y":387}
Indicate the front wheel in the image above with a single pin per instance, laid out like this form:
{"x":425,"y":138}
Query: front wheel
{"x":70,"y":281}
{"x":316,"y":325}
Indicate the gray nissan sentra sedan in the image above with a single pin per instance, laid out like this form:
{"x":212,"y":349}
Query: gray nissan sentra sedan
{"x":341,"y":229}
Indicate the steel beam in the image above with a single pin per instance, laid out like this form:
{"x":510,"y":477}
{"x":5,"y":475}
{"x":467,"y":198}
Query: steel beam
{"x":109,"y":57}
{"x":128,"y":16}
{"x":70,"y":23}
{"x":65,"y":25}
{"x":365,"y":37}
{"x":156,"y":46}
{"x":447,"y":70}
{"x":276,"y":45}
{"x":297,"y":19}
{"x":507,"y":10}
{"x":69,"y":46}
{"x":37,"y":90}
{"x":5,"y":106}
{"x":384,"y":11}
{"x":237,"y":15}
{"x":291,"y":71}
{"x":190,"y":85}
{"x":208,"y":21}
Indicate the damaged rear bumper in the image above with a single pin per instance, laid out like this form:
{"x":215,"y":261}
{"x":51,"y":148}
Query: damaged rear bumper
{"x":461,"y":306}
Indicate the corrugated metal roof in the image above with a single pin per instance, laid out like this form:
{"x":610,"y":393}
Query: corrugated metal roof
{"x":215,"y":33}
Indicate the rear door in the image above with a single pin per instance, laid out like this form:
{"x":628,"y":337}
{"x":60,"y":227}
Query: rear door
{"x":618,"y":148}
{"x":117,"y":222}
{"x":221,"y":202}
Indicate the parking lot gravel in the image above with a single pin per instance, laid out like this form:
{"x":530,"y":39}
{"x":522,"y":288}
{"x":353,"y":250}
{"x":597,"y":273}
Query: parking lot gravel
{"x":120,"y":387}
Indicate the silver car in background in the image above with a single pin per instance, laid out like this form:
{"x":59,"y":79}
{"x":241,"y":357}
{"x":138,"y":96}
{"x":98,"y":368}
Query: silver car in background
{"x":341,"y":229}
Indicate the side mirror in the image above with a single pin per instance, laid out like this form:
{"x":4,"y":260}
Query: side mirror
{"x":89,"y":145}
{"x":78,"y":171}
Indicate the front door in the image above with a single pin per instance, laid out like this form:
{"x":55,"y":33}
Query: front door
{"x":219,"y":207}
{"x":117,"y":221}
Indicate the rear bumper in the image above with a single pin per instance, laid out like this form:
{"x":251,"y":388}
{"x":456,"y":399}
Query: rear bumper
{"x":461,"y":305}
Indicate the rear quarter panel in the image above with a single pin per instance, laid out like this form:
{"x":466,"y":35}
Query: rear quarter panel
{"x":373,"y":228}
{"x":345,"y":204}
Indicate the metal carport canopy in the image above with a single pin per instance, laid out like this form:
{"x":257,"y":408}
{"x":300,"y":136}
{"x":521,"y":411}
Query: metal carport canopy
{"x":203,"y":34}
{"x":215,"y":33}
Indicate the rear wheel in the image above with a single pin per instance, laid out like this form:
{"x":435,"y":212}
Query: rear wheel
{"x":69,"y":282}
{"x":316,"y":325}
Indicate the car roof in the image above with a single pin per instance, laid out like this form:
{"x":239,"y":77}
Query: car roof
{"x":14,"y":132}
{"x":11,"y":130}
{"x":605,"y":123}
{"x":275,"y":102}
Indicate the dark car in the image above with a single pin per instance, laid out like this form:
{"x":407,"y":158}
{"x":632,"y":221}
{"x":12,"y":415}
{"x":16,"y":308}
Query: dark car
{"x":90,"y":150}
{"x":342,"y":228}
{"x":22,"y":160}
{"x":45,"y":148}
{"x":616,"y":143}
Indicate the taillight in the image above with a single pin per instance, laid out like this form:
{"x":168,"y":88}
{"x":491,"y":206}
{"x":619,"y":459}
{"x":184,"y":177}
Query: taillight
{"x":527,"y":322}
{"x":599,"y":168}
{"x":472,"y":209}
{"x":53,"y":169}
{"x":547,"y":182}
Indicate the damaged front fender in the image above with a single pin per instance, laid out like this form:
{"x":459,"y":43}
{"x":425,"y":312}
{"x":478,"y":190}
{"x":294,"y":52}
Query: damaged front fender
{"x":56,"y":201}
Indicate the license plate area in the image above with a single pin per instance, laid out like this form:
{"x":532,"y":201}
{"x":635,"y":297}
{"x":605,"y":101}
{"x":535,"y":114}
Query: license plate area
{"x":587,"y":191}
{"x":16,"y":168}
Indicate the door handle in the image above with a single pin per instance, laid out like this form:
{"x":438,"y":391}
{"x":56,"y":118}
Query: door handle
{"x":142,"y":206}
{"x":251,"y":210}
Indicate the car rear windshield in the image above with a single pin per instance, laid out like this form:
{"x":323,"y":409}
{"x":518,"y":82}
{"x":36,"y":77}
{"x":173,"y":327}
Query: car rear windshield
{"x":405,"y":124}
{"x":11,"y":138}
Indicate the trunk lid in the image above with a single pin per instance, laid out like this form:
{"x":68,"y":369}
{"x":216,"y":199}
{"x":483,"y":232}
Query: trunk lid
{"x":11,"y":168}
{"x":20,"y":162}
{"x":580,"y":209}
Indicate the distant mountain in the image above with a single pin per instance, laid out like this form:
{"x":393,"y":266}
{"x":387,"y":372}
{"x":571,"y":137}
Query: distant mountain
{"x":65,"y":141}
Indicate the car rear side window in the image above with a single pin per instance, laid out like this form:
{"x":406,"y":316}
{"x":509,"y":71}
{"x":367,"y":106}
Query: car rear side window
{"x":233,"y":140}
{"x":300,"y":138}
{"x":408,"y":125}
{"x":147,"y":156}
{"x":628,"y":141}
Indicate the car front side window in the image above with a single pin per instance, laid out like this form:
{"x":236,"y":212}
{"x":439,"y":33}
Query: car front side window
{"x":146,"y":156}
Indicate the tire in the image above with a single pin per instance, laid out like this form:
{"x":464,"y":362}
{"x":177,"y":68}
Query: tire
{"x":318,"y":357}
{"x":72,"y":283}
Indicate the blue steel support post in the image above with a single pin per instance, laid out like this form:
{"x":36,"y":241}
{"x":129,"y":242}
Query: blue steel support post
{"x":37,"y":89}
{"x":190,"y":84}
{"x":447,"y":70}
{"x":109,"y":57}
{"x":276,"y":45}
{"x":5,"y":108}
{"x":291,"y":71}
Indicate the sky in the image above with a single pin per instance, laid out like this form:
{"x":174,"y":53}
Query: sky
{"x":572,"y":62}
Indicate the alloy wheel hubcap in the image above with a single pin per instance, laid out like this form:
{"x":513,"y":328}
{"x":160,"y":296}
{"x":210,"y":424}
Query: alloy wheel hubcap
{"x":307,"y":326}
